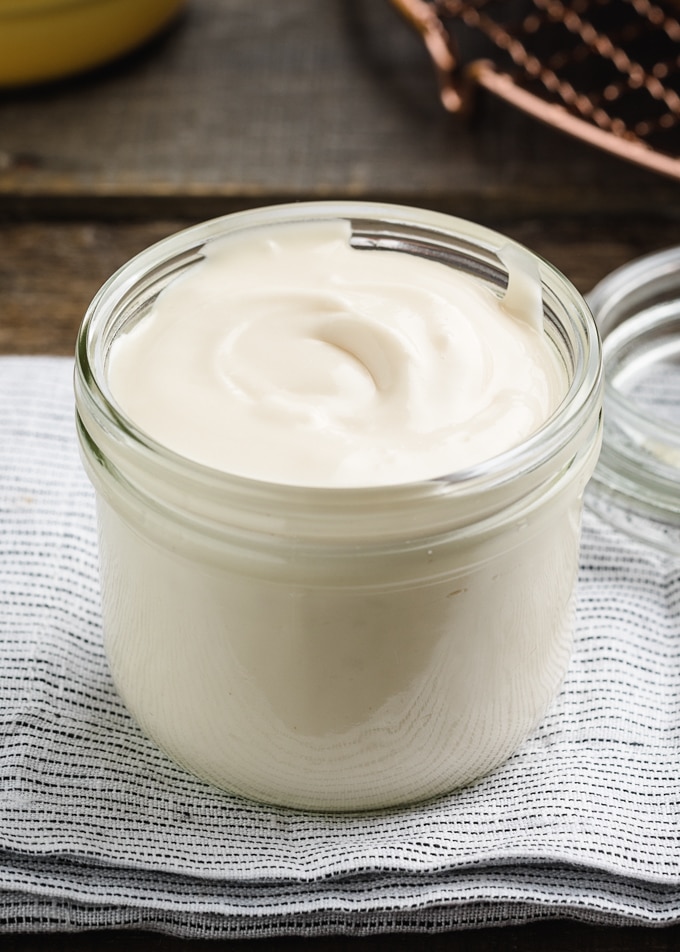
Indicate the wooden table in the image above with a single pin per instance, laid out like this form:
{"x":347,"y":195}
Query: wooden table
{"x":247,"y":103}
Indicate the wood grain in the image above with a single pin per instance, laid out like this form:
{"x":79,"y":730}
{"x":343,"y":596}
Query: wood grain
{"x":264,"y":101}
{"x":49,"y":271}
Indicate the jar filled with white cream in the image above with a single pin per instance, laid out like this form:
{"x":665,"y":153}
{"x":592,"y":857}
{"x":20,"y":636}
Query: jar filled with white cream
{"x":339,"y":453}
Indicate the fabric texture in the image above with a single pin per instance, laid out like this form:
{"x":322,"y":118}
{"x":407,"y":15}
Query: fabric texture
{"x":99,"y":829}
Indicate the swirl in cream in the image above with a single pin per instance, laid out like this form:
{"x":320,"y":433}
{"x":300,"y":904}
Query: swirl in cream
{"x":287,"y":355}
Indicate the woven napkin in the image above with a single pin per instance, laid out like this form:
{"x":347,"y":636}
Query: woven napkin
{"x":99,"y":829}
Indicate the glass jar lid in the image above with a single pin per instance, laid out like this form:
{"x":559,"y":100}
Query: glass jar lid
{"x":636,"y":485}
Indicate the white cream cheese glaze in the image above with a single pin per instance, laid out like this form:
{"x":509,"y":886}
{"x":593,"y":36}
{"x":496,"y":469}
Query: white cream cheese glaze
{"x":289,"y":356}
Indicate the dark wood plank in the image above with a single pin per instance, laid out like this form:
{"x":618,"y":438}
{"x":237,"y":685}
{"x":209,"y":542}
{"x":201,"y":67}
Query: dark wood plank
{"x":257,"y":102}
{"x":49,"y":272}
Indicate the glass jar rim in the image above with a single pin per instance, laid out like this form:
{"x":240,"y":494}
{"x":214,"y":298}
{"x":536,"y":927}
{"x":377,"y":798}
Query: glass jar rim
{"x":375,"y":225}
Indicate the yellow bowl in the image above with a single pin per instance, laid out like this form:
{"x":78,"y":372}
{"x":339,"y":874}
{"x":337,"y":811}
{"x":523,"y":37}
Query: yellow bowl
{"x":42,"y":40}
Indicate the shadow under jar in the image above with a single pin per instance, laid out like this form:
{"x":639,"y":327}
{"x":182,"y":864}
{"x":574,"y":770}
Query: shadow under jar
{"x":339,"y":648}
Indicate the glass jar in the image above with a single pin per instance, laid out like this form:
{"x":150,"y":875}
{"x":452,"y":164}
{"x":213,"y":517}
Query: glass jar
{"x":636,"y":486}
{"x":339,"y":648}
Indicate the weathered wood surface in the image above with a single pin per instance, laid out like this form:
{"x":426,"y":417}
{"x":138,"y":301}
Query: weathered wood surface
{"x":247,"y":102}
{"x":50,"y":271}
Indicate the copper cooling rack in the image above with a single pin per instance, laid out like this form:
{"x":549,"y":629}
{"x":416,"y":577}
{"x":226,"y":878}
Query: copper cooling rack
{"x":606,"y":71}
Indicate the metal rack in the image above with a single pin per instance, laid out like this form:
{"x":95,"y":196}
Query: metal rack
{"x":606,"y":71}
